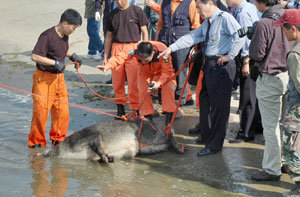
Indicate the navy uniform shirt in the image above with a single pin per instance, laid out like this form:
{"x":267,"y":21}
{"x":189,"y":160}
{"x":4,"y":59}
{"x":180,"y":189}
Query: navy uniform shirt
{"x":246,"y":15}
{"x":223,"y":36}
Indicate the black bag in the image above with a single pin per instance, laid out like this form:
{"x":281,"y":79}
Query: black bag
{"x":254,"y":70}
{"x":198,"y":60}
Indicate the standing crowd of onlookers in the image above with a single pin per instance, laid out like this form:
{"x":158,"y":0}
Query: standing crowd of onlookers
{"x":251,"y":45}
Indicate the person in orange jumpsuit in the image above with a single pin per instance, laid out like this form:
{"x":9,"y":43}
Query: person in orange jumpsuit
{"x":125,"y":26}
{"x":49,"y":88}
{"x":178,"y":17}
{"x":152,"y":71}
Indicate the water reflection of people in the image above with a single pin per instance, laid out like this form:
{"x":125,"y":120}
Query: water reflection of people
{"x":41,"y":185}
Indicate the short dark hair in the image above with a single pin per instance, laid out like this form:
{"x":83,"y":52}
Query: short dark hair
{"x":72,"y":17}
{"x":268,"y":3}
{"x":288,"y":26}
{"x":144,"y":49}
{"x":213,"y":1}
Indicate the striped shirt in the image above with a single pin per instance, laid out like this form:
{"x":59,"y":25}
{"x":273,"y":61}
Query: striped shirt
{"x":269,"y":45}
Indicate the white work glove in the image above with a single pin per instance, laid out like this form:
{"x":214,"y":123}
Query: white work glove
{"x":149,"y":2}
{"x":97,"y":16}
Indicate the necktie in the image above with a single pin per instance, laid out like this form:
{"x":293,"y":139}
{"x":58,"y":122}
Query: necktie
{"x":207,"y":32}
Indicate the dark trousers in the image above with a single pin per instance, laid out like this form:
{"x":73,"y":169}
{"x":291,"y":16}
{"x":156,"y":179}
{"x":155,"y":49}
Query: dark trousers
{"x":248,"y":108}
{"x":178,"y":59}
{"x":204,"y":112}
{"x":215,"y":102}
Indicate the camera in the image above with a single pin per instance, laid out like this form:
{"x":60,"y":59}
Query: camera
{"x":249,"y":31}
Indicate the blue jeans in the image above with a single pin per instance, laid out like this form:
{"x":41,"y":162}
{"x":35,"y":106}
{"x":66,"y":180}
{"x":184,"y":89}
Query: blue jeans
{"x":95,"y":42}
{"x":178,"y":59}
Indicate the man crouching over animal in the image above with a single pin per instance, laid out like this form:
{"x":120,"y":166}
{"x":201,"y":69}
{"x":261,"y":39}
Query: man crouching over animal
{"x":153,"y":73}
{"x":115,"y":139}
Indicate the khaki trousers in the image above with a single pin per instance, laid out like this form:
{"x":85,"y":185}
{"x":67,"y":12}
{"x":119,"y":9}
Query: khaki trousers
{"x":270,"y":91}
{"x":128,"y":69}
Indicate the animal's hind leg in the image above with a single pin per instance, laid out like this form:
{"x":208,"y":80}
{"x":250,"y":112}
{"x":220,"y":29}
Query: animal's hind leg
{"x":173,"y":145}
{"x":99,"y":151}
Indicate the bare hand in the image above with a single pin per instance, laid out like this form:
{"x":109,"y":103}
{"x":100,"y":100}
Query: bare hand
{"x":246,"y":70}
{"x":102,"y":68}
{"x":165,"y":53}
{"x":222,"y":59}
{"x":105,"y":60}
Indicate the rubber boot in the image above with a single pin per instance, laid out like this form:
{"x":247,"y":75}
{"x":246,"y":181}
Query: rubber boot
{"x":168,"y":118}
{"x":159,"y":96}
{"x":121,"y":111}
{"x":172,"y":144}
{"x":149,"y":117}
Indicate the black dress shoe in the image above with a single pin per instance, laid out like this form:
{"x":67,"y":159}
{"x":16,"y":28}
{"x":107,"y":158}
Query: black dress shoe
{"x":189,"y":102}
{"x":109,"y":81}
{"x":195,"y":130}
{"x":205,"y":151}
{"x":241,"y":138}
{"x":200,"y":140}
{"x":264,"y":176}
{"x":236,"y":140}
{"x":284,"y":169}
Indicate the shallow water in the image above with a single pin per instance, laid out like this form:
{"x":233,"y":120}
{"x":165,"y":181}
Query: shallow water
{"x":22,"y":173}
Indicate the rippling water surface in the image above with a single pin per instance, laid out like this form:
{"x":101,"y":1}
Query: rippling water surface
{"x":22,"y":173}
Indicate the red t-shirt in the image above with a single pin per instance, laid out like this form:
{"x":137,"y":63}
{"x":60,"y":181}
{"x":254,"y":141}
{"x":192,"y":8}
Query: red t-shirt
{"x":126,"y":24}
{"x":52,"y":46}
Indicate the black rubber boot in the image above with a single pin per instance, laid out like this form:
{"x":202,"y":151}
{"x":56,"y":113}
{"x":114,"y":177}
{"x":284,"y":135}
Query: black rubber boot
{"x":121,"y":111}
{"x":35,"y":146}
{"x":149,"y":117}
{"x":168,"y":118}
{"x":159,"y":96}
{"x":172,"y":144}
{"x":54,"y":143}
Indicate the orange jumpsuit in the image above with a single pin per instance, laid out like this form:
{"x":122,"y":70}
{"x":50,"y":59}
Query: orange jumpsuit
{"x":157,"y":70}
{"x":129,"y":66}
{"x":50,"y":86}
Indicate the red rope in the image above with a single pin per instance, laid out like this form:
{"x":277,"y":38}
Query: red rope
{"x":73,"y":105}
{"x":167,"y":129}
{"x":108,"y":98}
{"x":128,"y":116}
{"x":139,"y":134}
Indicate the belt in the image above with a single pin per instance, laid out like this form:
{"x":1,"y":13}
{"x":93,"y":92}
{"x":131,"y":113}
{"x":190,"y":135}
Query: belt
{"x":211,"y":58}
{"x":275,"y":73}
{"x":126,"y":42}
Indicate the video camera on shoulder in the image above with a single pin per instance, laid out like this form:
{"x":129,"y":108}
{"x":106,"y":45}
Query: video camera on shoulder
{"x":249,"y":31}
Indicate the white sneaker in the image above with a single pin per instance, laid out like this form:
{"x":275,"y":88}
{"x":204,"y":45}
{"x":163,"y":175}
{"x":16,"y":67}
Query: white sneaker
{"x":97,"y":56}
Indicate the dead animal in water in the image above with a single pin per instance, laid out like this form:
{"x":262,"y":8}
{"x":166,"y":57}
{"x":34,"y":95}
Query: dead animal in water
{"x":115,"y":140}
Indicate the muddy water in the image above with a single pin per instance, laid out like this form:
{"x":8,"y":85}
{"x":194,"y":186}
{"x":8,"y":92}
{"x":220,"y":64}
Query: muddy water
{"x":22,"y":173}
